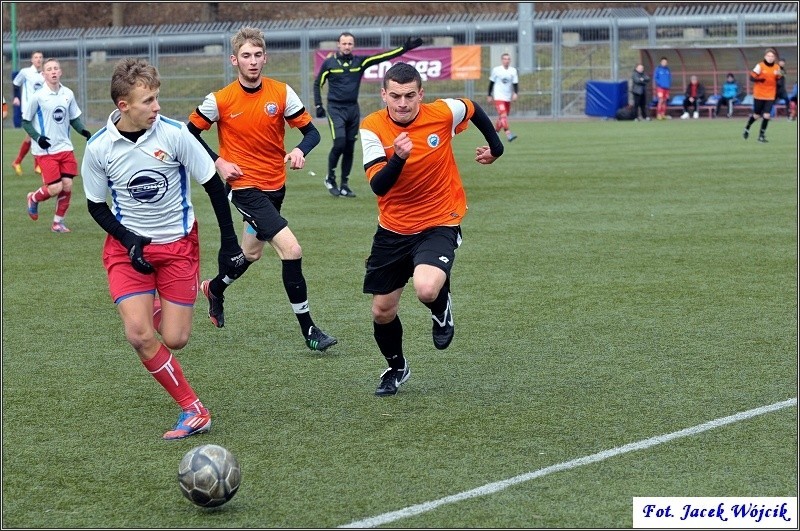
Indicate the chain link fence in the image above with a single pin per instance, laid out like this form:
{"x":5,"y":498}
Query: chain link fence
{"x":555,"y":52}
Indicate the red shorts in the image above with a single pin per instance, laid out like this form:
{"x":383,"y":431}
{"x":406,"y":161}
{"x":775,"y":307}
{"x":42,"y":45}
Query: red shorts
{"x":57,"y":165}
{"x":502,"y":107}
{"x":176,"y":264}
{"x":662,"y":93}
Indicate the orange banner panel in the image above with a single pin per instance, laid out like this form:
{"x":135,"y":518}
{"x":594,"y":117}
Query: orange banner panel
{"x":466,"y":62}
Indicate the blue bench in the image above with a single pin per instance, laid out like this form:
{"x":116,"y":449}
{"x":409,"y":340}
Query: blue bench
{"x":741,"y":107}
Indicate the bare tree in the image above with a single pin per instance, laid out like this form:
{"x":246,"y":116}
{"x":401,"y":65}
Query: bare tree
{"x":211,"y":12}
{"x":117,"y":14}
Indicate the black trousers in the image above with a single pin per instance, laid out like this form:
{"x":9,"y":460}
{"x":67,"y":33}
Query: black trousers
{"x":689,"y":104}
{"x":640,"y":104}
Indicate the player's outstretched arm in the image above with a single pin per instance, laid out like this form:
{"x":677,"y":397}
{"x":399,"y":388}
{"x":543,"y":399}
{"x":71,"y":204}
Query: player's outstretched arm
{"x":495,"y":149}
{"x":410,"y":44}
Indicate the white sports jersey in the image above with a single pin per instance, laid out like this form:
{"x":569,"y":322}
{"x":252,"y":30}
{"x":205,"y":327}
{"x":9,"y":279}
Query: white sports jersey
{"x":504,"y":80}
{"x":29,"y":80}
{"x":51,"y":111}
{"x":149,"y":181}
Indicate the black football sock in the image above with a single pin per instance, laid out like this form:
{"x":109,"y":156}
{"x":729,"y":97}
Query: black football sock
{"x":439,"y":305}
{"x":295,"y":285}
{"x":220,"y":283}
{"x":389,"y":338}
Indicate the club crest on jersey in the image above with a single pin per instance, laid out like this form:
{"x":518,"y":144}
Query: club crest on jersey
{"x":59,"y":115}
{"x":433,"y":140}
{"x":160,"y":155}
{"x":271,"y":108}
{"x":147,"y":186}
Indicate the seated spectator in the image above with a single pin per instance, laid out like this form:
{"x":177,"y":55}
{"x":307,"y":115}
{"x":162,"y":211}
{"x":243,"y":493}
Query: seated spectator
{"x":793,"y":103}
{"x":730,"y":91}
{"x":694,"y":96}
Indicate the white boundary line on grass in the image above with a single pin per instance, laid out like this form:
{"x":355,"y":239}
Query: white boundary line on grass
{"x":497,"y":486}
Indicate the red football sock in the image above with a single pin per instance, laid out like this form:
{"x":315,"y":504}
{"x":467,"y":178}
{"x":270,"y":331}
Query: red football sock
{"x":42,"y":194}
{"x":62,"y":203}
{"x":167,"y":371}
{"x":23,"y":150}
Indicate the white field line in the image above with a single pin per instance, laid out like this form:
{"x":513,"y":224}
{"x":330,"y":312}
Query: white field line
{"x":497,"y":486}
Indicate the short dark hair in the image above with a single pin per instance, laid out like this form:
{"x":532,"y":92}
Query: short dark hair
{"x":402,"y":73}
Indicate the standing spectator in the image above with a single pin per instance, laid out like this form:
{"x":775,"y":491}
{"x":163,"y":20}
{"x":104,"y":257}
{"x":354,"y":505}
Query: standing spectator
{"x":56,"y":110}
{"x":780,"y":88}
{"x":639,"y":81}
{"x":411,"y":167}
{"x":251,"y":113}
{"x":343,"y":72}
{"x":503,"y":89}
{"x":28,"y":80}
{"x":730,"y":93}
{"x":694,"y":96}
{"x":793,"y":103}
{"x":765,"y":77}
{"x":662,"y":77}
{"x":145,"y":163}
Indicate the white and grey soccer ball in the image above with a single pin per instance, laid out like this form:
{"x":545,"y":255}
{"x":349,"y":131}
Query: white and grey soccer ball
{"x":209,"y":475}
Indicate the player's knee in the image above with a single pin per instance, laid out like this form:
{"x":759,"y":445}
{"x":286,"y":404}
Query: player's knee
{"x":383,"y":314}
{"x":339,"y":143}
{"x":253,"y":255}
{"x":426,"y":291}
{"x":140,"y":337}
{"x":175,"y":340}
{"x":292,"y":252}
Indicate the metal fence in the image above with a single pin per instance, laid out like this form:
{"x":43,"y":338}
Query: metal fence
{"x":555,"y":52}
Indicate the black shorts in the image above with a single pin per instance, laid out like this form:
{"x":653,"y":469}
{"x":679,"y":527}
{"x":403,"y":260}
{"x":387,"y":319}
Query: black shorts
{"x":344,"y":119}
{"x":762,"y":106}
{"x":262,"y":210}
{"x":394,"y":256}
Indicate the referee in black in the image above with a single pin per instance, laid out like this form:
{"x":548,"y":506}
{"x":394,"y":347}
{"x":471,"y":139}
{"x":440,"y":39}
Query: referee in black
{"x":343,"y":72}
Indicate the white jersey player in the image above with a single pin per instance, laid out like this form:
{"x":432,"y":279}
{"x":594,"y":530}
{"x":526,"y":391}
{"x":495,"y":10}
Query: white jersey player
{"x":47,"y":119}
{"x":28,"y":80}
{"x":146,"y":162}
{"x":147,"y":179}
{"x":503,"y":89}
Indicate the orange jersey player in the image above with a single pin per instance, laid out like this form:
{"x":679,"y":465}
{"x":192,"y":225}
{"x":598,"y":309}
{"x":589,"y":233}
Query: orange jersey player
{"x":251,"y":116}
{"x":431,"y":193}
{"x":251,"y":128}
{"x":765,"y":82}
{"x":410,"y":165}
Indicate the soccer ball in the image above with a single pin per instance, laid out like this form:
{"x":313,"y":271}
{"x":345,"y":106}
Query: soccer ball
{"x":209,"y":475}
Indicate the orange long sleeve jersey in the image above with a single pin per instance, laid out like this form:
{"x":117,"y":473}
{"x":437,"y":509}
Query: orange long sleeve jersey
{"x":251,"y":125}
{"x":429,"y":191}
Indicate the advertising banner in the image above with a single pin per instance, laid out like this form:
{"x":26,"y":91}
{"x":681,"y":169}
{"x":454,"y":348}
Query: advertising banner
{"x":457,"y":62}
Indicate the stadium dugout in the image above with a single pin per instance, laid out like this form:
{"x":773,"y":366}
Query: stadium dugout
{"x":711,"y":64}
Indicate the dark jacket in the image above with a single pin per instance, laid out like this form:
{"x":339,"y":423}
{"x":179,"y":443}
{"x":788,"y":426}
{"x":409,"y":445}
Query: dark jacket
{"x":639,"y":82}
{"x":343,"y":73}
{"x":701,"y":92}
